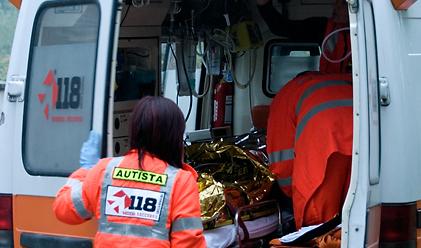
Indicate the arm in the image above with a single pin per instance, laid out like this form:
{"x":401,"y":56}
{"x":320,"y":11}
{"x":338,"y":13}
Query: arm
{"x":186,"y":225}
{"x":71,"y":204}
{"x":76,"y":201}
{"x":280,"y":138}
{"x":281,"y":131}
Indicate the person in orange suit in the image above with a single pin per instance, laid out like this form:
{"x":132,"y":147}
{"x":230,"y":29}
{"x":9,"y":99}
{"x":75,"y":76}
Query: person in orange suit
{"x":309,"y":142}
{"x":147,"y":198}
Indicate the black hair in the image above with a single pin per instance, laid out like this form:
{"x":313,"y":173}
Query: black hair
{"x":157,"y":127}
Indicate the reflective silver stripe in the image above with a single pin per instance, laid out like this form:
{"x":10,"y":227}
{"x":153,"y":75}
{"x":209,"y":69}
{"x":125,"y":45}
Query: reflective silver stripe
{"x":157,"y":231}
{"x":191,"y":223}
{"x":319,"y":108}
{"x":124,"y":229}
{"x":171,"y":171}
{"x":317,"y":86}
{"x":72,"y":182}
{"x":76,"y":195}
{"x":282,"y":182}
{"x":105,"y":183}
{"x":281,"y":155}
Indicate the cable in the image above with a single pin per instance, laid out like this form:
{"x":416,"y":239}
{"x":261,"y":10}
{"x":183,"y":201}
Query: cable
{"x":178,"y":75}
{"x":206,"y":87}
{"x":237,"y":83}
{"x":165,"y":66}
{"x":251,"y":107}
{"x":125,"y":15}
{"x":241,"y":54}
{"x":204,"y":8}
{"x":176,"y":69}
{"x":202,"y":57}
{"x":224,"y":39}
{"x":200,"y":53}
{"x":324,"y":43}
{"x":250,"y":97}
{"x":207,"y":81}
{"x":200,"y":11}
{"x":188,"y":82}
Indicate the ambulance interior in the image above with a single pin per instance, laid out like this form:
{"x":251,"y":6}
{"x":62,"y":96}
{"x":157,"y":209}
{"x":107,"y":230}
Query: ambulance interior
{"x":183,"y":49}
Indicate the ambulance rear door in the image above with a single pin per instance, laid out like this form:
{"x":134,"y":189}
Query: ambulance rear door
{"x":58,"y":89}
{"x":381,"y":209}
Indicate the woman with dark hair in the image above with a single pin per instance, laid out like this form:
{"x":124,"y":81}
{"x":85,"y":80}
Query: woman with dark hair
{"x":158,"y":127}
{"x":149,"y":197}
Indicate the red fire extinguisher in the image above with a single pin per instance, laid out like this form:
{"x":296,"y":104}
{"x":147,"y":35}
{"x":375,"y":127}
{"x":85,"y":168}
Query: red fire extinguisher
{"x":222,"y":104}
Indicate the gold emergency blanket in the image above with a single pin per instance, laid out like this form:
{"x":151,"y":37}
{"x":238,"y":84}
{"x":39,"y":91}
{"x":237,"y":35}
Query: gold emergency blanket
{"x":229,"y":177}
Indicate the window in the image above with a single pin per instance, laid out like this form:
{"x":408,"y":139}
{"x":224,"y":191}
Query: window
{"x":285,"y":60}
{"x":60,"y":86}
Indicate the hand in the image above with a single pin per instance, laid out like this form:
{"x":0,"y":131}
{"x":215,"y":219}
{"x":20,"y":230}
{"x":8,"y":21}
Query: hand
{"x":90,"y":151}
{"x":262,"y":2}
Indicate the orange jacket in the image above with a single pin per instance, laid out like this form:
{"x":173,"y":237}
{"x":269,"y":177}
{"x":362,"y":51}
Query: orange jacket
{"x":157,"y":206}
{"x":309,"y":119}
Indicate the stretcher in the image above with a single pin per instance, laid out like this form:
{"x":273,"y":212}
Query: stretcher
{"x":245,"y":233}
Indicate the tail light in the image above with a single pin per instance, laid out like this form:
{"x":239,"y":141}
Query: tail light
{"x":398,"y":227}
{"x":17,"y":3}
{"x":6,"y":224}
{"x":402,"y":4}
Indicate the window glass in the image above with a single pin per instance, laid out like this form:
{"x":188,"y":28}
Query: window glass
{"x":59,"y":89}
{"x":286,"y":60}
{"x":137,"y":68}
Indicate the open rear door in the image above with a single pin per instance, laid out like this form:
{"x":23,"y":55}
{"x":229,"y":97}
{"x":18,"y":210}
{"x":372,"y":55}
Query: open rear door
{"x":60,"y":77}
{"x":381,"y":209}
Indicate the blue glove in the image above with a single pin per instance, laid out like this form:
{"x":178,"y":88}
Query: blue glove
{"x":90,"y":152}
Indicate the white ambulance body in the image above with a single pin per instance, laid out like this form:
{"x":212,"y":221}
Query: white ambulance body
{"x":61,"y":83}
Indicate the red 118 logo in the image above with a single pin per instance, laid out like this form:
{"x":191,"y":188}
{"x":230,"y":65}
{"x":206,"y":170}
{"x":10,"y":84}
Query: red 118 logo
{"x":65,"y":94}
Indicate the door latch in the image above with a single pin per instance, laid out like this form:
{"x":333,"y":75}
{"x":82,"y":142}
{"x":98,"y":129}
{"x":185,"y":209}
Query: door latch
{"x":353,"y":6}
{"x":384,"y":91}
{"x":2,"y":118}
{"x":15,"y":88}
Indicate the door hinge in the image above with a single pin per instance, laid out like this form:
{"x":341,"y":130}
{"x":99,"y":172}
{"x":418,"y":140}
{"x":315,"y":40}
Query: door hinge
{"x":15,"y":88}
{"x":353,"y":6}
{"x":384,"y":91}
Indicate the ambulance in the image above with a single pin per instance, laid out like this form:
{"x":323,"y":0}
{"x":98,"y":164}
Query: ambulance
{"x":78,"y":65}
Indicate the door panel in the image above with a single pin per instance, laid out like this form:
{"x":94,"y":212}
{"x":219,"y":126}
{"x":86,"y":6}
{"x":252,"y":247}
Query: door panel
{"x":59,"y":88}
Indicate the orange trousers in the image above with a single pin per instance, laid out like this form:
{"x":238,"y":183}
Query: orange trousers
{"x":328,"y":199}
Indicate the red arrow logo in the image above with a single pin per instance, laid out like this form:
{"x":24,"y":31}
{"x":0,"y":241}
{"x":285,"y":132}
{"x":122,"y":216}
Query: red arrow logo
{"x":46,"y":111}
{"x":50,"y":80}
{"x":41,"y":98}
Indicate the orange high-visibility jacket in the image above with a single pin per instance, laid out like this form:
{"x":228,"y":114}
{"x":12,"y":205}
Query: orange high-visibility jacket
{"x":309,"y":119}
{"x":157,"y":206}
{"x":336,"y":47}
